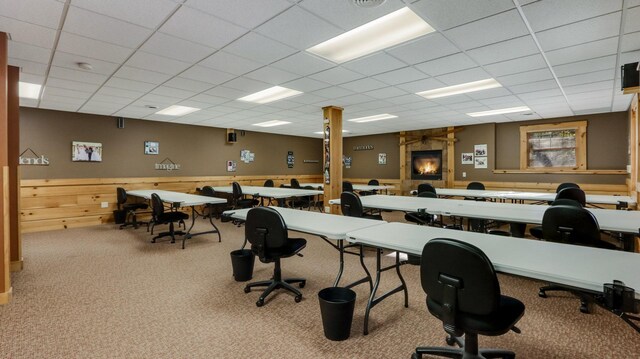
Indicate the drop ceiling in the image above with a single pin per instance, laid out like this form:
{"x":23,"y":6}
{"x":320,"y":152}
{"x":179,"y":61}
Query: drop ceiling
{"x":558,"y":57}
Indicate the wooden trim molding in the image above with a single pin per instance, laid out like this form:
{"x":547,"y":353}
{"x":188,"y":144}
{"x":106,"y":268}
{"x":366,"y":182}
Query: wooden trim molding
{"x":16,"y":266}
{"x":581,"y":143}
{"x":565,"y":171}
{"x":5,"y":297}
{"x":610,"y":189}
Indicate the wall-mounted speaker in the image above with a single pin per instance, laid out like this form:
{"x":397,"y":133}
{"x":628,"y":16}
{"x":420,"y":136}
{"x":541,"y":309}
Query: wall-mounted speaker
{"x":231,"y":137}
{"x":120,"y":122}
{"x":630,"y":75}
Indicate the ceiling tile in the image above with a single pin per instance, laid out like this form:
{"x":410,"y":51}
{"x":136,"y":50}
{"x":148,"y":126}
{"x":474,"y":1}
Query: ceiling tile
{"x":426,"y":48}
{"x":333,"y":92}
{"x":259,"y":48}
{"x":491,"y":93}
{"x":32,"y":79}
{"x":147,"y":13}
{"x":386,"y":93}
{"x":226,"y":92}
{"x":447,"y":64}
{"x":173,"y":92}
{"x":40,"y":12}
{"x":28,"y":67}
{"x":583,"y":52}
{"x":447,"y":14}
{"x":76,"y":75}
{"x":147,"y":61}
{"x":27,"y":33}
{"x":246,"y":85}
{"x":374,"y":64}
{"x":71,"y":61}
{"x":464,"y":76}
{"x":210,"y":100}
{"x":126,"y":84}
{"x":54,"y":91}
{"x":188,"y":84}
{"x":421,"y":85}
{"x":566,"y":11}
{"x":95,"y":49}
{"x":336,"y":75}
{"x":208,"y":75}
{"x":72,"y":85}
{"x":522,"y":64}
{"x":303,"y":64}
{"x":534,"y":86}
{"x":346,"y":15}
{"x":59,"y":106}
{"x":505,"y":50}
{"x":407,"y":74}
{"x":630,"y":42}
{"x":525,"y":77}
{"x":132,"y":73}
{"x":196,"y":26}
{"x":176,"y":48}
{"x":604,"y":75}
{"x":22,"y":51}
{"x":230,"y":63}
{"x":103,"y":28}
{"x":632,"y":24}
{"x":503,"y":26}
{"x":116,"y":92}
{"x":116,"y":101}
{"x":589,"y":87}
{"x":246,"y":13}
{"x":283,"y":28}
{"x":580,"y":32}
{"x":271,"y":75}
{"x":306,"y":84}
{"x":363,"y":85}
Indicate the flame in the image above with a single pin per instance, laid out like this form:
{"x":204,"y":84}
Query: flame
{"x":428,"y":168}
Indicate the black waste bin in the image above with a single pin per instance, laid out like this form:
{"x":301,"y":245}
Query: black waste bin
{"x":242,"y":263}
{"x":120,"y":216}
{"x":336,"y":308}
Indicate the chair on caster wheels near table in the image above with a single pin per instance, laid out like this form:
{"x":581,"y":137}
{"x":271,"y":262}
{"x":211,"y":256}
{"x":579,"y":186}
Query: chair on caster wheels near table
{"x":266,"y":231}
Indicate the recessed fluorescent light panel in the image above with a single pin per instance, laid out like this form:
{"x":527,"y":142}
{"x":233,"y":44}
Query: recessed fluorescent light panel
{"x":460,"y":89}
{"x":176,"y":110}
{"x":271,"y":123}
{"x":383,"y":116}
{"x":500,"y":112}
{"x":392,"y":29}
{"x":271,"y":94}
{"x":29,"y":90}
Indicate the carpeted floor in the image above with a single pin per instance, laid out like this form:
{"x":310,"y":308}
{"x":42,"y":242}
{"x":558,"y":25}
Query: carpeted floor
{"x":101,"y":292}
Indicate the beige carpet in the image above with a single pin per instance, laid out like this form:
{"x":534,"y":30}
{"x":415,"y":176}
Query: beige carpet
{"x":101,"y":292}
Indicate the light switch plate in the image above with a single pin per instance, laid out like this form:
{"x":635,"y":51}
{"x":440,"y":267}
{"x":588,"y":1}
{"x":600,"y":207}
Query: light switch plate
{"x":104,"y":204}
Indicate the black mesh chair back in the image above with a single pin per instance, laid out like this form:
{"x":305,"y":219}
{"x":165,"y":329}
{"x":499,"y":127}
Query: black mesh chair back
{"x":373,"y":182}
{"x":157,"y":207}
{"x":475,"y":185}
{"x":426,"y":187}
{"x":572,"y":225}
{"x":566,"y":202}
{"x":562,"y":186}
{"x":266,"y":231}
{"x":463,"y":292}
{"x":347,"y":186}
{"x":573,"y":193}
{"x":295,"y":183}
{"x":237,"y":190}
{"x":427,"y":195}
{"x":208,"y":191}
{"x":268,"y":183}
{"x":121,"y":195}
{"x":351,"y":205}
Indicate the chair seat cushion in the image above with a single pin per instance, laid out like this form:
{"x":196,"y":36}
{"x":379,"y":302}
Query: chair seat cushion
{"x":510,"y":310}
{"x":295,"y":245}
{"x":536,"y":231}
{"x":172,"y":217}
{"x":134,"y":206}
{"x":417,"y":217}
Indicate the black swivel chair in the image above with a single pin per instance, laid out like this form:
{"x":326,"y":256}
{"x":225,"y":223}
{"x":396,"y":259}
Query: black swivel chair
{"x":426,"y":187}
{"x":214,"y":210}
{"x":129,"y":208}
{"x":267,"y":183}
{"x":295,"y":183}
{"x":351,"y":206}
{"x":160,"y":216}
{"x":463,"y":291}
{"x":573,"y":193}
{"x":266,"y":231}
{"x":347,"y":186}
{"x":571,"y":225}
{"x":536,"y":231}
{"x":476,"y":225}
{"x":422,"y":218}
{"x":373,"y":182}
{"x":238,"y":199}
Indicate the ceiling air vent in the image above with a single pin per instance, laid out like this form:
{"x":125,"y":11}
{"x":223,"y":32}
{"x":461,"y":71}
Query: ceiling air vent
{"x":368,"y":3}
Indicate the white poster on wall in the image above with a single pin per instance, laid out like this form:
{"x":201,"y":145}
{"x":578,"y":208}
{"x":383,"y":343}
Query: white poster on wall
{"x":480,"y":162}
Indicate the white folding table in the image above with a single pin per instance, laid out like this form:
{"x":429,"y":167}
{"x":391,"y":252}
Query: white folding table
{"x":356,"y":187}
{"x":329,"y":227}
{"x":178,"y":199}
{"x":279,"y":194}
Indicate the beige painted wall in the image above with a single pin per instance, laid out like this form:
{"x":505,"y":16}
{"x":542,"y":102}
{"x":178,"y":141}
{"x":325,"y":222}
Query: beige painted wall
{"x":365,"y":163}
{"x":200,"y":150}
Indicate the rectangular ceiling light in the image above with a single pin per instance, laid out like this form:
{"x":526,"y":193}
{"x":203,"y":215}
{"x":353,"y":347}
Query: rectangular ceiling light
{"x":271,"y":123}
{"x":392,"y":29}
{"x":460,"y":89}
{"x":499,"y":112}
{"x":271,"y":94}
{"x":29,"y":90}
{"x":383,"y":116}
{"x":176,"y":110}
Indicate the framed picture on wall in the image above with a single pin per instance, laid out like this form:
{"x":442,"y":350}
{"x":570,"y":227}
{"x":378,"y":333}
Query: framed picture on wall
{"x":86,"y":151}
{"x":382,"y":158}
{"x":467,"y":158}
{"x":231,"y":166}
{"x":480,"y":150}
{"x":151,"y":147}
{"x":480,"y":162}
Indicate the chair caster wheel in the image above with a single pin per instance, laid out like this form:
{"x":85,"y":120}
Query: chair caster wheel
{"x":298,"y":298}
{"x":302,"y":284}
{"x":542,"y":294}
{"x":259,"y":303}
{"x":415,"y":356}
{"x":247,"y":289}
{"x":584,"y":309}
{"x":450,"y":341}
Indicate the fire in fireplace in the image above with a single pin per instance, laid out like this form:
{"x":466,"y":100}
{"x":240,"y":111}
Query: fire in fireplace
{"x":426,"y":165}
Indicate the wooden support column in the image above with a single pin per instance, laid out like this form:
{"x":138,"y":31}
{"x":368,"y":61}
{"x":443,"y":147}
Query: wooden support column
{"x":5,"y":281}
{"x":451,"y":158}
{"x":332,"y":142}
{"x":13,"y":108}
{"x":404,"y":189}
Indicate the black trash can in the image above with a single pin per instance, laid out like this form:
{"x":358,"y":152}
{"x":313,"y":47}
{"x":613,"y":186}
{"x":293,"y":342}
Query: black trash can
{"x":242,"y":263}
{"x":120,"y":216}
{"x":336,"y":308}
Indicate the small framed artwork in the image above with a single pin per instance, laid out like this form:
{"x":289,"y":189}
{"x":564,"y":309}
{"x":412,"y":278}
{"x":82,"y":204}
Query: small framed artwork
{"x":231,"y":166}
{"x":480,"y":150}
{"x":480,"y":162}
{"x":382,"y":158}
{"x":467,"y":158}
{"x":151,"y":147}
{"x":86,"y":151}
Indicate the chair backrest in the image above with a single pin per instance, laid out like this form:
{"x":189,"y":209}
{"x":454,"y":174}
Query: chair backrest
{"x":295,"y":183}
{"x":268,"y":183}
{"x":427,"y":195}
{"x":573,"y":193}
{"x":208,"y":191}
{"x":570,"y":224}
{"x":266,"y":231}
{"x":426,"y":187}
{"x":458,"y":275}
{"x":475,"y":185}
{"x":157,"y":207}
{"x":237,"y":190}
{"x":121,"y":195}
{"x":347,"y":186}
{"x":564,"y":185}
{"x":351,"y":205}
{"x":566,"y":202}
{"x":373,"y":182}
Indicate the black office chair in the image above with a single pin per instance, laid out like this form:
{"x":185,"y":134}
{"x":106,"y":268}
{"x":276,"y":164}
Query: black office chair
{"x":373,"y":182}
{"x":214,"y":210}
{"x":238,"y":199}
{"x":295,"y":183}
{"x":463,"y":291}
{"x":129,"y":208}
{"x":422,"y":218}
{"x":573,"y":193}
{"x":351,"y":206}
{"x":474,"y":224}
{"x":302,"y":201}
{"x":266,"y":231}
{"x":162,"y":217}
{"x":536,"y":231}
{"x":347,"y":186}
{"x":267,"y":183}
{"x":564,"y":185}
{"x":426,"y":187}
{"x":571,"y":224}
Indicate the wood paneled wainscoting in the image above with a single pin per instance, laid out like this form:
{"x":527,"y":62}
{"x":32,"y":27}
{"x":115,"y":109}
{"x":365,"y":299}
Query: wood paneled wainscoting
{"x":68,"y":203}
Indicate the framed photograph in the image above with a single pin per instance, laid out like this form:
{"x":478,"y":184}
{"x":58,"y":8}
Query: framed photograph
{"x":382,"y":158}
{"x":467,"y":158}
{"x":151,"y":147}
{"x":86,"y":151}
{"x":481,"y":162}
{"x":231,"y":166}
{"x":480,"y":150}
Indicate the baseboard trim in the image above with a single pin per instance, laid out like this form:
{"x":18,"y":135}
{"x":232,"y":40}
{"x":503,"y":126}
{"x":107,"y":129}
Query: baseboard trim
{"x":6,"y":297}
{"x":16,"y":266}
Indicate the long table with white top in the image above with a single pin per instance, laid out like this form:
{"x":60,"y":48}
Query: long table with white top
{"x":584,"y":268}
{"x":329,"y":227}
{"x":279,"y":194}
{"x":619,"y":201}
{"x":626,"y":222}
{"x":178,"y":199}
{"x":356,"y":187}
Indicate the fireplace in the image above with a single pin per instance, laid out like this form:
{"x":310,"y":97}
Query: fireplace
{"x":426,"y":165}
